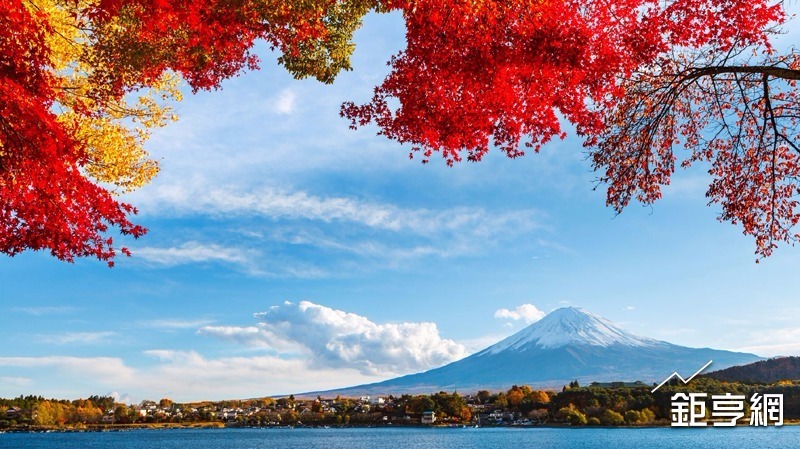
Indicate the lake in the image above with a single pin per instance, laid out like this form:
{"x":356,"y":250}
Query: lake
{"x":422,"y":438}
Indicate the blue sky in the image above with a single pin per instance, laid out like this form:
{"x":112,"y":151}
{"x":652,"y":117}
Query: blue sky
{"x":288,"y":253}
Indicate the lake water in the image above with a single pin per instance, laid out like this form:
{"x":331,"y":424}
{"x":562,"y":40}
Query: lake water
{"x":484,"y":438}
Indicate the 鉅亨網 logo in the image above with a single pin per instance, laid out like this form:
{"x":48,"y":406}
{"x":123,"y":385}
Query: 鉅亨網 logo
{"x":690,"y":409}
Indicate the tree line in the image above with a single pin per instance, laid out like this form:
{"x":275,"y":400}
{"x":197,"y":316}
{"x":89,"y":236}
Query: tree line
{"x":574,"y":405}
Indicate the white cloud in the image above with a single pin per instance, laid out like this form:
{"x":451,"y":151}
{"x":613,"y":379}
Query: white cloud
{"x":194,"y":252}
{"x":15,"y":381}
{"x":775,"y":342}
{"x":73,"y":338}
{"x":182,"y":374}
{"x":526,"y":312}
{"x":474,"y":345}
{"x":84,"y":367}
{"x":273,"y":223}
{"x":122,"y":398}
{"x":252,"y":262}
{"x":253,"y":336}
{"x":174,"y":323}
{"x":179,"y":375}
{"x":337,"y":339}
{"x":299,"y":205}
{"x":369,"y":248}
{"x":773,"y":350}
{"x":285,"y":102}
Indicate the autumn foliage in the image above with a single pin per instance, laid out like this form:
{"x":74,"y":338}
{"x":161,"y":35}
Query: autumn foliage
{"x":738,"y":119}
{"x":499,"y":73}
{"x":45,"y":200}
{"x":83,"y":83}
{"x":635,"y":78}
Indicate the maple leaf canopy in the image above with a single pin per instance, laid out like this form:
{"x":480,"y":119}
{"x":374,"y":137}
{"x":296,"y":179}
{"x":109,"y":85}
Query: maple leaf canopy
{"x":635,"y":78}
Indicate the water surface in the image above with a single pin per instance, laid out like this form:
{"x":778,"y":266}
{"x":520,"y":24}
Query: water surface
{"x":435,"y":438}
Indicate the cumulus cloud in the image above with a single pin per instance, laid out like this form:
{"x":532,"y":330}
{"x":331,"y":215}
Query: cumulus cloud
{"x":122,"y":398}
{"x":525,"y":312}
{"x":336,"y":339}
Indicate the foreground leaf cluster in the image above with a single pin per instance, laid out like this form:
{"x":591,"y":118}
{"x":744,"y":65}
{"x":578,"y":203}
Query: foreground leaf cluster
{"x":84,"y":82}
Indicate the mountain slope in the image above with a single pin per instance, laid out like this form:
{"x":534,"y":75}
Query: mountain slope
{"x":765,"y":371}
{"x":567,"y":344}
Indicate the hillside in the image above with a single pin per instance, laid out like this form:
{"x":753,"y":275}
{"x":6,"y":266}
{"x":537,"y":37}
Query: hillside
{"x":763,"y":372}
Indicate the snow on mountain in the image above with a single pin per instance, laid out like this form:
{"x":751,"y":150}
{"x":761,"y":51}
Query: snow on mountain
{"x":569,"y":326}
{"x":567,"y":344}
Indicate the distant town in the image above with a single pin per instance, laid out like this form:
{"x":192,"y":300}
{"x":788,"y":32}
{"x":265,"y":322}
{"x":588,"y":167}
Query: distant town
{"x":609,"y":404}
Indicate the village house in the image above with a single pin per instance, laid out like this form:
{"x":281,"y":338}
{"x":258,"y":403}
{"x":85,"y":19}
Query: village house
{"x":13,"y":413}
{"x":108,"y":417}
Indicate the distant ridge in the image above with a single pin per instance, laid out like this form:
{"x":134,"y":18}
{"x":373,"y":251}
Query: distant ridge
{"x":764,"y":371}
{"x":568,"y":344}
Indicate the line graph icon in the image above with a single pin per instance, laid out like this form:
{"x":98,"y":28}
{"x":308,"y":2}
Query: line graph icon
{"x":685,"y":381}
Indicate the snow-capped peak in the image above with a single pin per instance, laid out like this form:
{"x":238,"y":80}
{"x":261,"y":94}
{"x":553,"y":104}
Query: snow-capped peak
{"x":570,"y":326}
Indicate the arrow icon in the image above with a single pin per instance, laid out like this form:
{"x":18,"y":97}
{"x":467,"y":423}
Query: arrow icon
{"x":685,"y":381}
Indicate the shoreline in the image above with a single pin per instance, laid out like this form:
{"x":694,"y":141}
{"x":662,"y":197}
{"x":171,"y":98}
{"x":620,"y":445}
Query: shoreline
{"x":218,"y":426}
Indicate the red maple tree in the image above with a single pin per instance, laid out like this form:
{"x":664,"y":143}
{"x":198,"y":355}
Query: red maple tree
{"x":636,"y":78}
{"x":738,"y":115}
{"x":47,"y":201}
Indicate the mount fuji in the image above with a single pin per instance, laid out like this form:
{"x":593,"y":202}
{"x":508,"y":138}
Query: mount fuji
{"x":568,"y":344}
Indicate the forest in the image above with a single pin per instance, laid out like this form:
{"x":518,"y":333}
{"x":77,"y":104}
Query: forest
{"x":574,"y":405}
